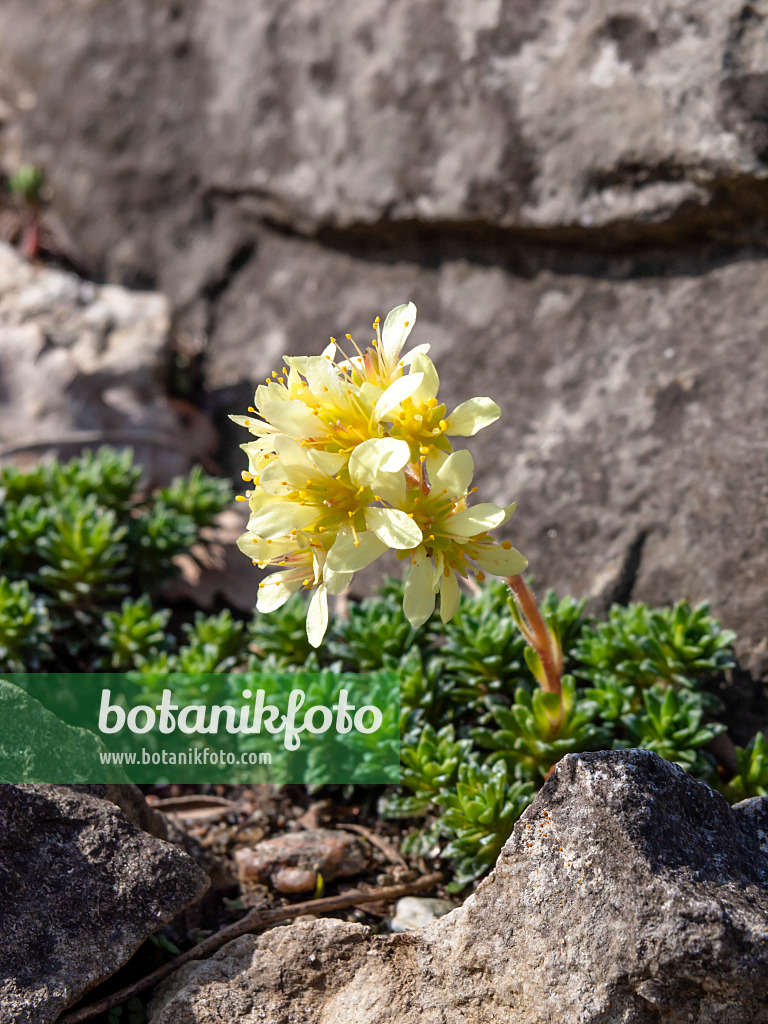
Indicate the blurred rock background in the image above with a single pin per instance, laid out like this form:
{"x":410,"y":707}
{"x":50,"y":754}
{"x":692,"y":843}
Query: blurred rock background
{"x":575,"y":196}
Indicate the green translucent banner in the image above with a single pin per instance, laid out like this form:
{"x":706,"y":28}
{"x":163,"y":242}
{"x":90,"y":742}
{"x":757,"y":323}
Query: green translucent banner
{"x":314,"y":728}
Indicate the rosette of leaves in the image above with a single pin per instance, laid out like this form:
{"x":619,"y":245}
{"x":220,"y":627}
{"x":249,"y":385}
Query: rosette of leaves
{"x":638,"y":644}
{"x":26,"y":184}
{"x":134,"y":634}
{"x":670,"y":724}
{"x":375,"y":635}
{"x":24,"y":627}
{"x":430,"y":765}
{"x":565,"y":619}
{"x":752,"y":776}
{"x":423,"y":691}
{"x":355,"y":755}
{"x":280,"y":638}
{"x":22,"y":526}
{"x":478,"y":816}
{"x":85,"y":537}
{"x":483,"y":649}
{"x":85,"y":558}
{"x":197,"y":496}
{"x":156,"y":535}
{"x":539,"y":728}
{"x":215,"y":643}
{"x":107,"y":475}
{"x":215,"y":646}
{"x":614,"y":697}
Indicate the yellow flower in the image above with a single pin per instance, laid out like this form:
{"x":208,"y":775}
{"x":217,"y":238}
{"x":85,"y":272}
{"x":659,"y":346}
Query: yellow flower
{"x":350,"y":459}
{"x":455,"y":539}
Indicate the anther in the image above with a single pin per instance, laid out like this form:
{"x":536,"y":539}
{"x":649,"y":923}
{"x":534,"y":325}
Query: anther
{"x":506,"y":544}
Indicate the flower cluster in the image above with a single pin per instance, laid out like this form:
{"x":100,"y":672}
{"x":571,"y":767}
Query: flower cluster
{"x":352,"y":457}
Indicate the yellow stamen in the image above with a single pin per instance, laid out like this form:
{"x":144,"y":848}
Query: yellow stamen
{"x":506,"y":544}
{"x":240,"y":497}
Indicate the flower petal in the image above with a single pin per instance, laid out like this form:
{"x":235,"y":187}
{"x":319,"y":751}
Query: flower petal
{"x":280,"y":517}
{"x":317,"y":616}
{"x":323,"y":379}
{"x":419,"y":597}
{"x":430,"y":381}
{"x":261,"y":550}
{"x":454,"y":475}
{"x":327,"y":462}
{"x":408,"y":358}
{"x":336,"y":582}
{"x":471,"y":416}
{"x":278,"y":479}
{"x":295,"y":419}
{"x":474,"y":520}
{"x":499,"y":561}
{"x":393,"y":527}
{"x":254,"y":424}
{"x":273,"y":592}
{"x":396,"y":393}
{"x":377,"y":455}
{"x":348,"y":556}
{"x":449,"y":596}
{"x":391,"y":488}
{"x":397,"y":326}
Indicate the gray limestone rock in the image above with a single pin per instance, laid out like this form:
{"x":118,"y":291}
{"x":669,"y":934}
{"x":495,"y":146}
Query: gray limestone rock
{"x":82,"y":365}
{"x":554,"y":116}
{"x":81,"y":890}
{"x":628,"y":893}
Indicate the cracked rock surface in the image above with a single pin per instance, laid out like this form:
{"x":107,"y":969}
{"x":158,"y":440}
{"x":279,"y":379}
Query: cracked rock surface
{"x":629,"y":893}
{"x":80,"y":890}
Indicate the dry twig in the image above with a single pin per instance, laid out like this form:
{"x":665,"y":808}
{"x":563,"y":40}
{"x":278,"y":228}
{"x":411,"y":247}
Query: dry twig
{"x":253,"y":921}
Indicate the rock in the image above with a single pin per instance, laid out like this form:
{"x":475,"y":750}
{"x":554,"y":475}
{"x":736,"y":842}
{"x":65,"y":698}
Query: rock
{"x":628,"y":892}
{"x":412,"y":912}
{"x":555,"y":117}
{"x":82,"y":889}
{"x":293,"y":862}
{"x":82,"y":365}
{"x":36,"y":745}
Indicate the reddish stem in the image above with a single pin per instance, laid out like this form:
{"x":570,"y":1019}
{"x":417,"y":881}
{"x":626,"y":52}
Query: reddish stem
{"x":539,"y":638}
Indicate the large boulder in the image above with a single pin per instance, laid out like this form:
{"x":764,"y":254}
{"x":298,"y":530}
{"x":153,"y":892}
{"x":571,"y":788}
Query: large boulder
{"x":628,"y":892}
{"x":82,"y":888}
{"x":84,"y":364}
